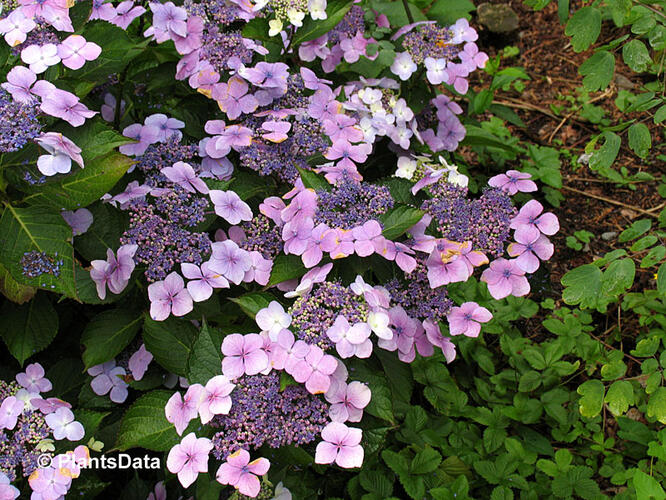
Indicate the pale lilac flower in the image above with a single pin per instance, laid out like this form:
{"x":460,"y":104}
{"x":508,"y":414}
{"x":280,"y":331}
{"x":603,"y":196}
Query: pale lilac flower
{"x":268,"y":75}
{"x":505,"y":278}
{"x":67,"y":106}
{"x":310,"y":79}
{"x":189,"y":458}
{"x":436,"y":70}
{"x":530,"y":222}
{"x":126,"y":12}
{"x":321,"y":237}
{"x":281,"y":492}
{"x":243,"y":355}
{"x":277,"y":131}
{"x":169,"y":297}
{"x":260,"y":269}
{"x":312,"y":49}
{"x":33,"y":379}
{"x":109,"y":378}
{"x":513,"y":182}
{"x":303,"y":205}
{"x":61,"y":153}
{"x":79,"y":220}
{"x":144,"y":134}
{"x":9,"y":492}
{"x":350,"y":340}
{"x":131,"y":192}
{"x":403,"y":65}
{"x":234,"y":99}
{"x":341,"y":127}
{"x":63,"y":425}
{"x":216,"y":400}
{"x":183,"y":174}
{"x":347,"y":153}
{"x":229,"y":206}
{"x":364,"y":237}
{"x":296,"y":235}
{"x":40,"y":57}
{"x":113,"y":272}
{"x":242,"y":474}
{"x":341,"y":444}
{"x":458,"y":77}
{"x":462,"y":32}
{"x":272,"y":319}
{"x":57,"y":16}
{"x":180,"y":410}
{"x":231,"y":260}
{"x":445,"y":264}
{"x":354,"y":48}
{"x":287,"y":352}
{"x":102,"y":9}
{"x":167,"y":19}
{"x":159,"y":493}
{"x":347,"y":401}
{"x":378,"y":321}
{"x":139,"y":361}
{"x":49,"y":405}
{"x":467,"y":319}
{"x":233,"y":136}
{"x":167,"y":127}
{"x":403,"y":257}
{"x":188,"y":45}
{"x":472,"y":58}
{"x":203,"y":280}
{"x":404,"y":330}
{"x":16,"y":26}
{"x":10,"y":409}
{"x":435,"y":338}
{"x":528,"y":252}
{"x":19,"y":82}
{"x":49,"y":483}
{"x":314,"y":370}
{"x":74,"y":51}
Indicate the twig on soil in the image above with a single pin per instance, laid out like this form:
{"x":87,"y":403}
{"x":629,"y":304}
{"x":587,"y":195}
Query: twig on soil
{"x":525,"y":106}
{"x":607,"y":93}
{"x":609,"y":200}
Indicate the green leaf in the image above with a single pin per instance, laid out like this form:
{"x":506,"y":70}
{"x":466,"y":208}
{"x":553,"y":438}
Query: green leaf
{"x":584,"y":28}
{"x":640,"y":140}
{"x":286,"y":267}
{"x":447,"y":12}
{"x":582,"y":286}
{"x":636,"y":229}
{"x":205,"y":360}
{"x":13,"y":290}
{"x":145,"y":425}
{"x":656,"y":407}
{"x":592,"y":400}
{"x":23,"y":230}
{"x":84,"y":186}
{"x":313,"y":181}
{"x":107,"y":334}
{"x":311,"y":29}
{"x":597,"y":71}
{"x":95,"y":138}
{"x":635,"y":55}
{"x":647,"y":487}
{"x":399,"y":220}
{"x":257,"y":29}
{"x":375,"y":482}
{"x":604,"y":157}
{"x":118,"y":50}
{"x":618,"y":277}
{"x":529,"y":381}
{"x":395,"y":11}
{"x":29,"y":328}
{"x":620,"y":397}
{"x":660,"y":115}
{"x":425,"y":461}
{"x":170,"y":342}
{"x":661,"y":279}
{"x":252,"y":303}
{"x":477,"y":136}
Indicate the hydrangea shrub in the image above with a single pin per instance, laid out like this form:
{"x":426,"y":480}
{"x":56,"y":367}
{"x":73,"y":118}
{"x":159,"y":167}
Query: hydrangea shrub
{"x":255,"y":202}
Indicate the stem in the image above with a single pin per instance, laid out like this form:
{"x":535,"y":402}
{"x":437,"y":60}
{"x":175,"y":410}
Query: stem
{"x":408,"y":12}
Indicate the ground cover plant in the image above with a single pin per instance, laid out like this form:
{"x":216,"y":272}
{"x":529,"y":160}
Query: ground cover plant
{"x":332,"y":249}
